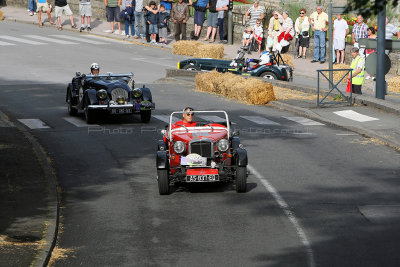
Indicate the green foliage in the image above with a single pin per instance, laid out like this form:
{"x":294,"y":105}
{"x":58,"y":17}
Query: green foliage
{"x":293,"y":7}
{"x":369,"y":8}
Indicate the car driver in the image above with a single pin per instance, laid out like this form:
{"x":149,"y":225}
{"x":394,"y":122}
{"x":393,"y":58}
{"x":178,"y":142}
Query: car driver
{"x":94,"y":69}
{"x":187,"y":121}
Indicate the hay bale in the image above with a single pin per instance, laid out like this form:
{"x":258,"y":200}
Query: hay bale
{"x":288,"y":59}
{"x":337,"y":75}
{"x":394,"y":84}
{"x":215,"y":51}
{"x":186,"y":48}
{"x":1,"y":15}
{"x":252,"y":91}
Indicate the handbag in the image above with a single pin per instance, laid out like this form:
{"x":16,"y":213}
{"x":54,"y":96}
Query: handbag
{"x":304,"y":33}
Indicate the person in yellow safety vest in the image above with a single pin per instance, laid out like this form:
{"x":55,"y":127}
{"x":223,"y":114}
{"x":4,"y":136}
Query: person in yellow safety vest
{"x":358,"y":66}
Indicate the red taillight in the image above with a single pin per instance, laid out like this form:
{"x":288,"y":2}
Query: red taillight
{"x":283,"y":77}
{"x":102,"y":102}
{"x":138,"y":100}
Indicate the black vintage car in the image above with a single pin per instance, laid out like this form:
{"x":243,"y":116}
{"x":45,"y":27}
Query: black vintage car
{"x":113,"y":94}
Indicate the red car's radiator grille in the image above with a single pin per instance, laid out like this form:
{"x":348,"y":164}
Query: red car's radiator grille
{"x":203,"y":148}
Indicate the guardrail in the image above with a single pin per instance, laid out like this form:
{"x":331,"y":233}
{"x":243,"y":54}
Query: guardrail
{"x":334,"y":86}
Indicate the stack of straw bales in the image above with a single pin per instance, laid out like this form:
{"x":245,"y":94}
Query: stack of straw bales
{"x":288,"y":60}
{"x":337,"y":75}
{"x":197,"y":49}
{"x":394,"y":84}
{"x":1,"y":15}
{"x":252,"y":91}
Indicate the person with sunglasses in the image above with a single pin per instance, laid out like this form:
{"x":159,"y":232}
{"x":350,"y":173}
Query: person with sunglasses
{"x":302,"y":27}
{"x":187,"y":120}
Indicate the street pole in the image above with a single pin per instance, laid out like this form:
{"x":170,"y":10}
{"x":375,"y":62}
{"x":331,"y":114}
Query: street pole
{"x":380,"y":66}
{"x":330,"y":45}
{"x":230,"y":23}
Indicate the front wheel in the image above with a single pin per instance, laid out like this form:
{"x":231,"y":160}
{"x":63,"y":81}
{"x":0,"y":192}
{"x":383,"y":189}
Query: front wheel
{"x":89,"y":115}
{"x":163,"y":182}
{"x":145,"y":115}
{"x":267,"y":75}
{"x":191,"y":67}
{"x":241,"y":179}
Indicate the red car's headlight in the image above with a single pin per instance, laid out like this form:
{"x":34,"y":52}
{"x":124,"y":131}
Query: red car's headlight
{"x":223,"y":145}
{"x":179,"y":147}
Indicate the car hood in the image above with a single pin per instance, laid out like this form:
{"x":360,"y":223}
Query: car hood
{"x":185,"y":134}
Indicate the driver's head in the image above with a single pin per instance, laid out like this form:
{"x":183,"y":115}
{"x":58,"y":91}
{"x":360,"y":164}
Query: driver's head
{"x":188,"y":115}
{"x":94,"y":69}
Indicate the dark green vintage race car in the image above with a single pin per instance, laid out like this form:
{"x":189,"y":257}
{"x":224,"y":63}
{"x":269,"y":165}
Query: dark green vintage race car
{"x":273,"y":68}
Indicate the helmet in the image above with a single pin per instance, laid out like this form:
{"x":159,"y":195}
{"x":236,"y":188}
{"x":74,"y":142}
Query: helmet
{"x":265,"y":58}
{"x":94,"y":66}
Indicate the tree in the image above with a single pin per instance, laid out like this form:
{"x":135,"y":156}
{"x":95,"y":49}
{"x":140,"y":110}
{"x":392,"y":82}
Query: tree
{"x":369,"y":7}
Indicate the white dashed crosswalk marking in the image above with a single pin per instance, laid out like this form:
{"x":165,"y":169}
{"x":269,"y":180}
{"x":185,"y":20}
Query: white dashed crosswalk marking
{"x":355,"y":116}
{"x":78,"y":122}
{"x":50,"y":40}
{"x":103,"y":38}
{"x":303,"y":121}
{"x":34,"y":123}
{"x":259,"y":120}
{"x":5,"y":43}
{"x":78,"y":39}
{"x":212,"y":118}
{"x":20,"y":40}
{"x":165,"y":118}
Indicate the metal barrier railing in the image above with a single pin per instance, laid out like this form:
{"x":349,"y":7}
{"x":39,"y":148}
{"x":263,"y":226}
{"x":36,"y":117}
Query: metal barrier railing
{"x":333,"y":87}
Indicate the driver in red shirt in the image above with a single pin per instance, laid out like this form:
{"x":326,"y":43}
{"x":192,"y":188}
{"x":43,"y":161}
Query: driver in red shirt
{"x":187,"y":120}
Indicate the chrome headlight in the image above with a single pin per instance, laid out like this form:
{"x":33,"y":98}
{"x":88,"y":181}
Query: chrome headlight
{"x":137,"y":92}
{"x":223,"y":145}
{"x":179,"y":147}
{"x":102,"y":94}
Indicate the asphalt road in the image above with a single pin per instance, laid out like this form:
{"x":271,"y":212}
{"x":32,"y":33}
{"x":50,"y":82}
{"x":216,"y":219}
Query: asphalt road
{"x":317,"y":195}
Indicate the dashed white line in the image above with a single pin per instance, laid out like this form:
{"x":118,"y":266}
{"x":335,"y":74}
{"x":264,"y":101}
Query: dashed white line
{"x":78,"y":39}
{"x":165,"y":118}
{"x":355,"y":116}
{"x":303,"y":121}
{"x":51,"y":40}
{"x":5,"y":43}
{"x":20,"y":40}
{"x":260,"y":120}
{"x":290,"y":214}
{"x":34,"y":123}
{"x":77,"y":122}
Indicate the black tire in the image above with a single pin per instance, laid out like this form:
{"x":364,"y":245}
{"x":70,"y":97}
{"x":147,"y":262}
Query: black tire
{"x":163,"y":182}
{"x":267,"y":75}
{"x":145,"y":115}
{"x":71,"y":110}
{"x":191,"y":67}
{"x":241,"y":179}
{"x":89,"y":115}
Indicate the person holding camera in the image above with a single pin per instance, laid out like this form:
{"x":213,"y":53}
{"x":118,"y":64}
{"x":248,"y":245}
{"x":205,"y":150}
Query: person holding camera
{"x":302,"y":27}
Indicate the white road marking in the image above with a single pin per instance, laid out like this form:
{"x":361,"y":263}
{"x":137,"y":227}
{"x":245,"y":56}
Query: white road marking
{"x":355,"y":116}
{"x":34,"y":123}
{"x":103,"y":38}
{"x":290,"y":214}
{"x":165,"y":118}
{"x":213,"y":118}
{"x":5,"y":43}
{"x":303,"y":121}
{"x":260,"y":120}
{"x":20,"y":40}
{"x":51,"y":40}
{"x":78,"y":39}
{"x":346,"y":134}
{"x":153,"y":62}
{"x":78,"y":122}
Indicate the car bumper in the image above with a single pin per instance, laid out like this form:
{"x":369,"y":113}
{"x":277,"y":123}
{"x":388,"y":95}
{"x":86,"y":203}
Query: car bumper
{"x":125,"y":108}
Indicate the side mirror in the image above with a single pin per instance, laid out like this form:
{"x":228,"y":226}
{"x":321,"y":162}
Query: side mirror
{"x":164,"y":132}
{"x":235,"y":133}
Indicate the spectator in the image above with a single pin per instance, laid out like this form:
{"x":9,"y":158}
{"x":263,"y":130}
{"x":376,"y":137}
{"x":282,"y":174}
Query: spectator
{"x":152,"y":20}
{"x":62,"y":6}
{"x":128,"y":8}
{"x":256,"y":12}
{"x":43,"y":5}
{"x":163,"y":18}
{"x":302,"y":27}
{"x":369,"y":51}
{"x":275,"y":28}
{"x":358,"y":65}
{"x":247,"y":36}
{"x":222,"y":7}
{"x":359,"y":31}
{"x":32,"y":7}
{"x":391,"y":31}
{"x":168,"y":7}
{"x":287,"y":28}
{"x":341,"y":29}
{"x":180,"y":15}
{"x":199,"y":15}
{"x":318,"y":21}
{"x":212,"y":21}
{"x":112,"y":13}
{"x":85,"y":10}
{"x":258,"y":33}
{"x":139,"y":20}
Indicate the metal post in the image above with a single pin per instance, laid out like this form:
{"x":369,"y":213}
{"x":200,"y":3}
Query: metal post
{"x":318,"y":90}
{"x":230,"y":27}
{"x":380,"y":66}
{"x":330,"y":43}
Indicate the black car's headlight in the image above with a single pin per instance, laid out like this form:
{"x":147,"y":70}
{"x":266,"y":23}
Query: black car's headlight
{"x":102,"y":94}
{"x":179,"y":147}
{"x":223,"y":145}
{"x":137,"y":93}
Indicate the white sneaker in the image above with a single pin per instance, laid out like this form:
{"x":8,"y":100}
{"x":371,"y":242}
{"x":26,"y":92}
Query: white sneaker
{"x":368,"y":77}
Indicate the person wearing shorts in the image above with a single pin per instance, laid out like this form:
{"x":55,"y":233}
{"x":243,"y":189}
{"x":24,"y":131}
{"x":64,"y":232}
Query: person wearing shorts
{"x":340,"y":31}
{"x":199,"y":16}
{"x":62,"y":6}
{"x":212,"y":21}
{"x":112,"y":13}
{"x":43,"y":6}
{"x":85,"y":10}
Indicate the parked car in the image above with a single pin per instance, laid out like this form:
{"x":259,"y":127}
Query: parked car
{"x":274,"y":69}
{"x":113,"y":94}
{"x":207,"y":153}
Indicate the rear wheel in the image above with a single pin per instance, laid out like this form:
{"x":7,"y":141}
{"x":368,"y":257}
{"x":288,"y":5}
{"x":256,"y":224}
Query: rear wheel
{"x":267,"y":75}
{"x":241,"y":179}
{"x":163,"y":182}
{"x":145,"y":115}
{"x":71,"y":110}
{"x":191,"y":67}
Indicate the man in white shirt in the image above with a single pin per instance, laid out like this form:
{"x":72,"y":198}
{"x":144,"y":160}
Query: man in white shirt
{"x":340,"y":30}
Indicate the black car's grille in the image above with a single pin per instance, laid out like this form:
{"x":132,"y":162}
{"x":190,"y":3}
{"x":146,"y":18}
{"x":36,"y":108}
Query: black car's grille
{"x":203,"y":148}
{"x":119,"y":92}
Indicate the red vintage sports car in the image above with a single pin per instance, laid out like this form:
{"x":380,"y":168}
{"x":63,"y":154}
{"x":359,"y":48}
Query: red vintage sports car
{"x":208,"y":152}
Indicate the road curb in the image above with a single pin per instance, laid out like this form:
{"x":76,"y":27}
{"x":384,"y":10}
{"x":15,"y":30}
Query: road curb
{"x":50,"y":234}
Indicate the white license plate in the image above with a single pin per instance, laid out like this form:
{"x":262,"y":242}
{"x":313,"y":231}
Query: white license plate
{"x":202,"y":178}
{"x":121,"y":110}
